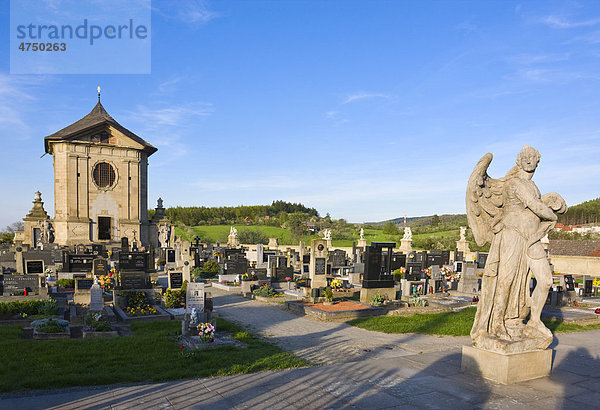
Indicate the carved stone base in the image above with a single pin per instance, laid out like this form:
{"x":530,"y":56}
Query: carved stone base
{"x":506,"y":368}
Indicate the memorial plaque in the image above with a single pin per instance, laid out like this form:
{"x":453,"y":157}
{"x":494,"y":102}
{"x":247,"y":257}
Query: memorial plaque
{"x":481,"y":260}
{"x":83,"y":284}
{"x":194,"y":297}
{"x":80,"y":263}
{"x":175,"y":280}
{"x":320,"y":266}
{"x":100,"y":266}
{"x":32,"y":267}
{"x":16,"y":284}
{"x":133,"y":261}
{"x":170,"y":255}
{"x":134,"y":280}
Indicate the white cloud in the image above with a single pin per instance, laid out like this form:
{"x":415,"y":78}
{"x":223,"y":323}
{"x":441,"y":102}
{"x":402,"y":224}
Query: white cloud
{"x":363,"y":96}
{"x":187,"y":11}
{"x":561,"y":22}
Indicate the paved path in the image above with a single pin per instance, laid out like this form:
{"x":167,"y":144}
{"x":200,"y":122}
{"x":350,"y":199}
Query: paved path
{"x":324,"y":342}
{"x":398,"y":378}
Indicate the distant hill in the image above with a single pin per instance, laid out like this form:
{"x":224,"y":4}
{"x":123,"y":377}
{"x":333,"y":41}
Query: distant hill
{"x":454,"y":219}
{"x":585,"y":213}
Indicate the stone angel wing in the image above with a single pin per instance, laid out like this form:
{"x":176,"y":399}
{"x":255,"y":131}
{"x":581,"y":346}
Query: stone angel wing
{"x":484,"y":202}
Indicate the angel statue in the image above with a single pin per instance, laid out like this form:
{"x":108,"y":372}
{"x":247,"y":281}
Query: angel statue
{"x":512,"y":215}
{"x":233,"y":232}
{"x":327,"y":234}
{"x":407,"y":233}
{"x":362,"y":233}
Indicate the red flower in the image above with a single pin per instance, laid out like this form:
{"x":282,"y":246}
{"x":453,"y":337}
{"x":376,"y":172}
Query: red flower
{"x":181,"y":347}
{"x":597,"y":311}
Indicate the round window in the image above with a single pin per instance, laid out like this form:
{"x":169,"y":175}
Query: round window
{"x":104,"y":175}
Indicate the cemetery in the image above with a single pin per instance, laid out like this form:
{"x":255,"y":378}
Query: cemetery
{"x":130,"y":283}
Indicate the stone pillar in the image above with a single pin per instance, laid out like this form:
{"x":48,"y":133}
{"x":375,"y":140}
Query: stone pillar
{"x":405,"y":245}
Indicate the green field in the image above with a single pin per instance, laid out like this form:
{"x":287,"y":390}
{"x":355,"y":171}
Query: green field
{"x":153,"y":354}
{"x":219,"y":233}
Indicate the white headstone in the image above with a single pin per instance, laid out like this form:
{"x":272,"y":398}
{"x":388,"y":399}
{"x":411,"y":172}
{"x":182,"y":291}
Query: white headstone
{"x":96,"y":303}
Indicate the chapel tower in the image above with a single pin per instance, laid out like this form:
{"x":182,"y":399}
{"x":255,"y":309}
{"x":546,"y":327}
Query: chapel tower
{"x":100,"y":181}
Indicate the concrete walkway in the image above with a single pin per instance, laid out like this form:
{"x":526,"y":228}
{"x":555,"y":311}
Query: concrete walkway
{"x":417,"y":372}
{"x":324,"y":342}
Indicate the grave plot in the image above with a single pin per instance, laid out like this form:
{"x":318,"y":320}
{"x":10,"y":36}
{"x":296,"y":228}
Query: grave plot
{"x":136,"y":305}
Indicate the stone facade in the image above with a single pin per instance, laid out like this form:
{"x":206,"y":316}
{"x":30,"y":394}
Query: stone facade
{"x":100,"y":181}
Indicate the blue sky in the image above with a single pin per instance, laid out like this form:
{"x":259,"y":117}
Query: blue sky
{"x":368,"y":110}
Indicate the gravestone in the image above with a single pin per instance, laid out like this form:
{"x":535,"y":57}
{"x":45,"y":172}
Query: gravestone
{"x":79,"y":263}
{"x":435,"y":257}
{"x":337,"y":257}
{"x":398,"y":261}
{"x":195,"y":297}
{"x":378,"y":272}
{"x":569,"y":283}
{"x":435,"y":273}
{"x":469,"y":282}
{"x":100,"y":267}
{"x":170,"y":255}
{"x":133,"y":261}
{"x":481,"y":260}
{"x":318,"y":263}
{"x":134,"y":280}
{"x":96,"y":302}
{"x":175,"y":280}
{"x":34,"y":267}
{"x":83,"y":284}
{"x":459,"y":256}
{"x":16,"y":284}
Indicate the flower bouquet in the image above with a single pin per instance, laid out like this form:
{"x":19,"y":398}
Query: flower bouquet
{"x":206,"y":331}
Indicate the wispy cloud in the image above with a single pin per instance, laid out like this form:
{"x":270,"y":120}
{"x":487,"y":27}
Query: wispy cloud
{"x":14,"y":94}
{"x":363,"y":96}
{"x":170,"y":116}
{"x":561,"y":22}
{"x":187,"y":11}
{"x":169,"y":127}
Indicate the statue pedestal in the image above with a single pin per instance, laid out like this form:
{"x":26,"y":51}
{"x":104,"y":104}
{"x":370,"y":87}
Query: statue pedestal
{"x":506,"y":368}
{"x":463,"y":246}
{"x":405,"y":245}
{"x":362,"y":243}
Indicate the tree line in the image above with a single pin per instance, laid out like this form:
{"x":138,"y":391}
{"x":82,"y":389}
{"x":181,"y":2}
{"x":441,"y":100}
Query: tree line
{"x":255,"y":214}
{"x":585,"y":213}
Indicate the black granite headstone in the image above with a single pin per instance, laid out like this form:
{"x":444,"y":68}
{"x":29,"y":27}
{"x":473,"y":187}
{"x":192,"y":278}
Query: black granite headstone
{"x":320,"y":266}
{"x":83,"y":284}
{"x":134,"y":280}
{"x":32,"y":267}
{"x":176,"y":280}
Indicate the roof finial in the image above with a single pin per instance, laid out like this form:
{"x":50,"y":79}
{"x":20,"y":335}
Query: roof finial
{"x":98,"y":93}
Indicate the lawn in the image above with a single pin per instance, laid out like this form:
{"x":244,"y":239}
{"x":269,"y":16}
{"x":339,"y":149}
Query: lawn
{"x":153,"y":354}
{"x":450,"y":323}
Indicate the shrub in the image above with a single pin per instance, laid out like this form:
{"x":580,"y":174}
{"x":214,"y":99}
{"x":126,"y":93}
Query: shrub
{"x":376,"y":300}
{"x":174,"y":298}
{"x":210,"y":268}
{"x":266,"y":291}
{"x":29,"y":307}
{"x":135,"y":298}
{"x":399,"y":274}
{"x":66,"y":283}
{"x":252,"y":236}
{"x":161,"y":262}
{"x":328,"y":293}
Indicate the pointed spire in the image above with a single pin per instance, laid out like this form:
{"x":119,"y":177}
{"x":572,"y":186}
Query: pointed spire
{"x":98,"y":93}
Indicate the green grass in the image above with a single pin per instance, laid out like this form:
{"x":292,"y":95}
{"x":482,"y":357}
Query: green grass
{"x":153,"y":354}
{"x":451,"y":323}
